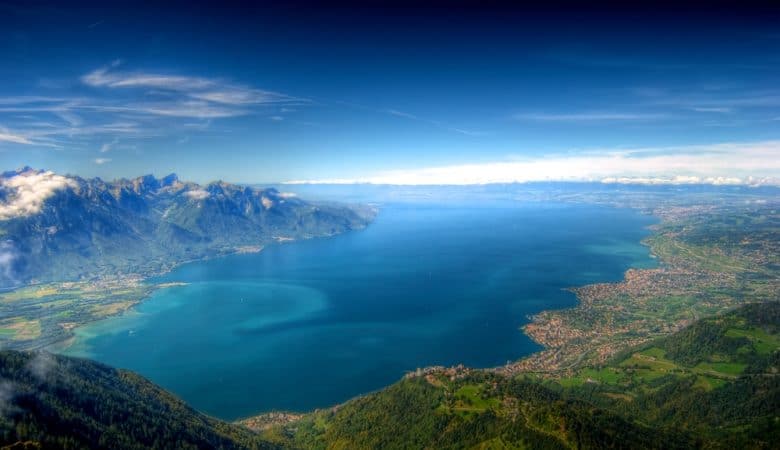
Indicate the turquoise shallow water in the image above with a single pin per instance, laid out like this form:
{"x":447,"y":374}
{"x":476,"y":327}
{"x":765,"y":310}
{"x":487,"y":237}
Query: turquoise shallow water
{"x":313,"y":323}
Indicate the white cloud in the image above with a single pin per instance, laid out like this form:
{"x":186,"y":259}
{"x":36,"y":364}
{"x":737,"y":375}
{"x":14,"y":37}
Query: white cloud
{"x":71,"y":119}
{"x":101,"y":161}
{"x":395,"y":112}
{"x":588,"y":117}
{"x":406,"y":115}
{"x":15,"y":138}
{"x":106,"y":147}
{"x":104,"y":77}
{"x":196,"y":88}
{"x":8,"y":255}
{"x":193,"y":109}
{"x":436,"y":123}
{"x":715,"y":100}
{"x":41,"y":365}
{"x":726,"y":163}
{"x":197,"y":194}
{"x":231,"y":95}
{"x":155,"y":107}
{"x":711,"y":109}
{"x":26,"y":192}
{"x":681,"y":179}
{"x":190,"y":109}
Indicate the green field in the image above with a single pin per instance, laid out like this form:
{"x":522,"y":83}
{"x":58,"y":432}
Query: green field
{"x":695,"y":388}
{"x":471,"y":399}
{"x":35,"y":316}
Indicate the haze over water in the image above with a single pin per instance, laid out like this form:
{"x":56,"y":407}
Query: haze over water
{"x":310,"y":324}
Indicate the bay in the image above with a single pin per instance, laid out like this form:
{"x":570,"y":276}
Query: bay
{"x":309,"y":324}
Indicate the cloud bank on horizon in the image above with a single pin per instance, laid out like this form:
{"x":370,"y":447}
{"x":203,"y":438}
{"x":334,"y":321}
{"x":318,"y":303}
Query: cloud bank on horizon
{"x":406,"y":96}
{"x":752,"y":164}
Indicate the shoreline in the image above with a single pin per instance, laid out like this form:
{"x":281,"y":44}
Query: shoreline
{"x":72,"y":336}
{"x":137,"y":282}
{"x":540,"y":328}
{"x":143,"y":278}
{"x":647,"y":303}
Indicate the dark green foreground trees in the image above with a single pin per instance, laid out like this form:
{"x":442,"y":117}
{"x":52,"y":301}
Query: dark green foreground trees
{"x":715,"y":384}
{"x":49,"y":401}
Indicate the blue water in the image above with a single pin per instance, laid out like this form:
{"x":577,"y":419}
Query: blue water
{"x":310,"y":324}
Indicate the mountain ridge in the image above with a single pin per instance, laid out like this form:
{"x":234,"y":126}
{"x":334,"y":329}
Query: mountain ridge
{"x":60,"y":228}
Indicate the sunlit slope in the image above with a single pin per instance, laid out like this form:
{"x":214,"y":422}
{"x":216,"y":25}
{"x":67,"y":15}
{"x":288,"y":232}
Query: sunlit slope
{"x":718,"y":378}
{"x":712,"y":385}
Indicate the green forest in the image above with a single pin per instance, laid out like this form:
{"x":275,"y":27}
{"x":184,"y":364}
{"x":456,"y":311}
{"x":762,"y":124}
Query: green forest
{"x":714,"y":385}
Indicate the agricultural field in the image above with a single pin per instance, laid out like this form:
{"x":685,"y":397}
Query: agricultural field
{"x":36,"y":316}
{"x":713,"y":384}
{"x":712,"y":259}
{"x":733,"y":346}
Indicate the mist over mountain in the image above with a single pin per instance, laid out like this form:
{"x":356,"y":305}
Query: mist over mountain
{"x":56,"y":227}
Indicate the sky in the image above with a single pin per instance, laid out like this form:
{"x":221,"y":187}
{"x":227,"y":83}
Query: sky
{"x":441,"y":94}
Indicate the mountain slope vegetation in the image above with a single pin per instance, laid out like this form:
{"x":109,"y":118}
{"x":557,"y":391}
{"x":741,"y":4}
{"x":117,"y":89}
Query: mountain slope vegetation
{"x":718,"y":378}
{"x":56,"y":228}
{"x":49,"y":401}
{"x":714,"y":384}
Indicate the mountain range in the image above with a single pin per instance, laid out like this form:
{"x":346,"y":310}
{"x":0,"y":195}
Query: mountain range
{"x":56,"y":227}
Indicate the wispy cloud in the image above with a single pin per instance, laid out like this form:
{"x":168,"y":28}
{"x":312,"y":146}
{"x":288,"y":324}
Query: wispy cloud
{"x":8,"y":256}
{"x":206,"y":90}
{"x":409,"y":116}
{"x":405,"y":115}
{"x":106,"y":147}
{"x":588,"y":117}
{"x":7,"y":136}
{"x":725,"y":163}
{"x":29,"y":100}
{"x":192,"y":109}
{"x":101,"y":161}
{"x":709,"y":98}
{"x":70,"y":118}
{"x":395,"y":112}
{"x":132,"y":104}
{"x":711,"y":109}
{"x":104,"y":77}
{"x":435,"y":123}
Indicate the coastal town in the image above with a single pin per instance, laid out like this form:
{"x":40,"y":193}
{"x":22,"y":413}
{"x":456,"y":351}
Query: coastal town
{"x":711,"y":260}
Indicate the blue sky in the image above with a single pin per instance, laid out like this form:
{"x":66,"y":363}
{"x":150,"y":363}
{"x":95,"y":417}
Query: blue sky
{"x":450,"y":95}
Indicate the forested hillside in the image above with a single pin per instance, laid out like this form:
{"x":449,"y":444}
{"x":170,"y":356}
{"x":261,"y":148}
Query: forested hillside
{"x":712,"y":385}
{"x":715,"y":384}
{"x":49,"y":401}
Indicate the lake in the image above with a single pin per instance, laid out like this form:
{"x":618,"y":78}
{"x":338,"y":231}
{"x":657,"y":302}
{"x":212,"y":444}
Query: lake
{"x":309,"y":324}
